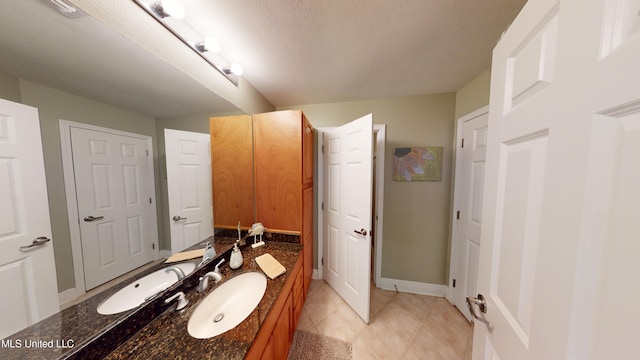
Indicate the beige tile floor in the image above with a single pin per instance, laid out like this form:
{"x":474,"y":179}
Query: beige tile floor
{"x":402,"y":325}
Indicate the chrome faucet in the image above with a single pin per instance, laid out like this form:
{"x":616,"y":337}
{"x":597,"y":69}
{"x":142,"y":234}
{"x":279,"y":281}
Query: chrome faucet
{"x":204,"y":280}
{"x":176,"y":270}
{"x":182,"y":300}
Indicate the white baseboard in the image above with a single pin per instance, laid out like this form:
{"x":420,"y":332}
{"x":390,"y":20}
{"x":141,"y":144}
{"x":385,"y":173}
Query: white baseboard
{"x":413,"y":287}
{"x":67,"y":296}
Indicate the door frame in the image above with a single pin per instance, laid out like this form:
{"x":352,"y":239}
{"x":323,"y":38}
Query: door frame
{"x":380,"y":132}
{"x":72,"y":200}
{"x":457,"y":198}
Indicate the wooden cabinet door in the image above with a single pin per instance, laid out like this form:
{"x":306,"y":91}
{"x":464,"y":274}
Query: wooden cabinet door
{"x":307,"y":235}
{"x":307,"y":153}
{"x":298,"y":300}
{"x":232,"y":171}
{"x":278,"y":167}
{"x":268,"y":353}
{"x":282,"y":331}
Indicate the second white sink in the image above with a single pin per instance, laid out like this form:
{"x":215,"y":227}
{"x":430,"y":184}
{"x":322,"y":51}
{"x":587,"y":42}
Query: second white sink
{"x":227,"y":306}
{"x":134,"y":294}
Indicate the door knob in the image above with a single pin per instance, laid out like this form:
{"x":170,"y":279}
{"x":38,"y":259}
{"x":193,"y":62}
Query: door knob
{"x":39,"y":241}
{"x":362,"y":232}
{"x":478,"y":301}
{"x":178,"y":218}
{"x":92,"y":218}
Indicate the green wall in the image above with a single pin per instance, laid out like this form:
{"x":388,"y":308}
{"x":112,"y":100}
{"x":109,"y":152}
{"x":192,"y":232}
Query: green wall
{"x":473,"y":95}
{"x":9,"y":87}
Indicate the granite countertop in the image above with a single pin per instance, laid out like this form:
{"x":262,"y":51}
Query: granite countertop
{"x":167,"y":336}
{"x":66,"y":333}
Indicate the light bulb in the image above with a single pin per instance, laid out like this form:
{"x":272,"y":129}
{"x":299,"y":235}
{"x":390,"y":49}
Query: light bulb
{"x":211,"y":44}
{"x":236,"y":69}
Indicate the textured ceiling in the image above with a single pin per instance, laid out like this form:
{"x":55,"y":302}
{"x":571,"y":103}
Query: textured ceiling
{"x":315,"y":51}
{"x":294,"y":52}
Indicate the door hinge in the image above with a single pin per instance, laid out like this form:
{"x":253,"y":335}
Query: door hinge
{"x":462,"y":144}
{"x":454,"y":282}
{"x":322,"y":149}
{"x":147,"y":152}
{"x":153,"y":246}
{"x":458,"y":215}
{"x":150,"y":202}
{"x":322,"y":206}
{"x":322,"y":261}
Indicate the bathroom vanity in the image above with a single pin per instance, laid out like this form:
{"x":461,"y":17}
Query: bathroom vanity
{"x":265,"y":334}
{"x":157,"y":330}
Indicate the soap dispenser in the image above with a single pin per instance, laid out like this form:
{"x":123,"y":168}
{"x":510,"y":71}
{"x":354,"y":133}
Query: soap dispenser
{"x":236,"y":259}
{"x":209,"y":253}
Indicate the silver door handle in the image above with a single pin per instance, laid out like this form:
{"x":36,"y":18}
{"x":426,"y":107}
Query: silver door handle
{"x":178,"y":218}
{"x":480,"y":302}
{"x":92,"y":218}
{"x":39,"y":241}
{"x":362,"y":232}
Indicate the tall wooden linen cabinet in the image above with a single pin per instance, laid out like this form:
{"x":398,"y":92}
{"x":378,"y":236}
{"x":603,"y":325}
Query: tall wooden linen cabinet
{"x":276,"y":188}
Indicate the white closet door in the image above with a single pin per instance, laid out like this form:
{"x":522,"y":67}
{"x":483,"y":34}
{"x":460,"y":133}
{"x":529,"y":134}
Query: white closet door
{"x":559,"y":266}
{"x":189,"y":186}
{"x":348,"y":195}
{"x":28,"y":281}
{"x":114,"y":203}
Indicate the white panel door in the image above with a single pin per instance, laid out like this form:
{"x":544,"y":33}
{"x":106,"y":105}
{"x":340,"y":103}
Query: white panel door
{"x":189,"y":186}
{"x":114,"y":203}
{"x":558,"y":261}
{"x":28,"y":281}
{"x":473,"y":147}
{"x":347,"y":210}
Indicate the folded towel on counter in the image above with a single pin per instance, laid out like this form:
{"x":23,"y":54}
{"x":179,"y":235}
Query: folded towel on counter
{"x":192,"y":254}
{"x":270,"y":266}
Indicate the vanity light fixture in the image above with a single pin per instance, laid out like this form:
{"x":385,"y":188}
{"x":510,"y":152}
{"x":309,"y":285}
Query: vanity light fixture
{"x":172,"y":15}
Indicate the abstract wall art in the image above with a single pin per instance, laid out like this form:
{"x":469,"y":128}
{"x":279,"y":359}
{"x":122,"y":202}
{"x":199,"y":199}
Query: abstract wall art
{"x":417,"y":163}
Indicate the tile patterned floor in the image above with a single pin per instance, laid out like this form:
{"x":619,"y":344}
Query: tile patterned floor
{"x":403,"y":326}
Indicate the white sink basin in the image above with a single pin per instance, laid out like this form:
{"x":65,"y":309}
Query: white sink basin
{"x":134,"y":294}
{"x":227,"y":306}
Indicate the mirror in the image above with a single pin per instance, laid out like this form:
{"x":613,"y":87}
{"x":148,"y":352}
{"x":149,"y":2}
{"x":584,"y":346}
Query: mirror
{"x":56,"y":57}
